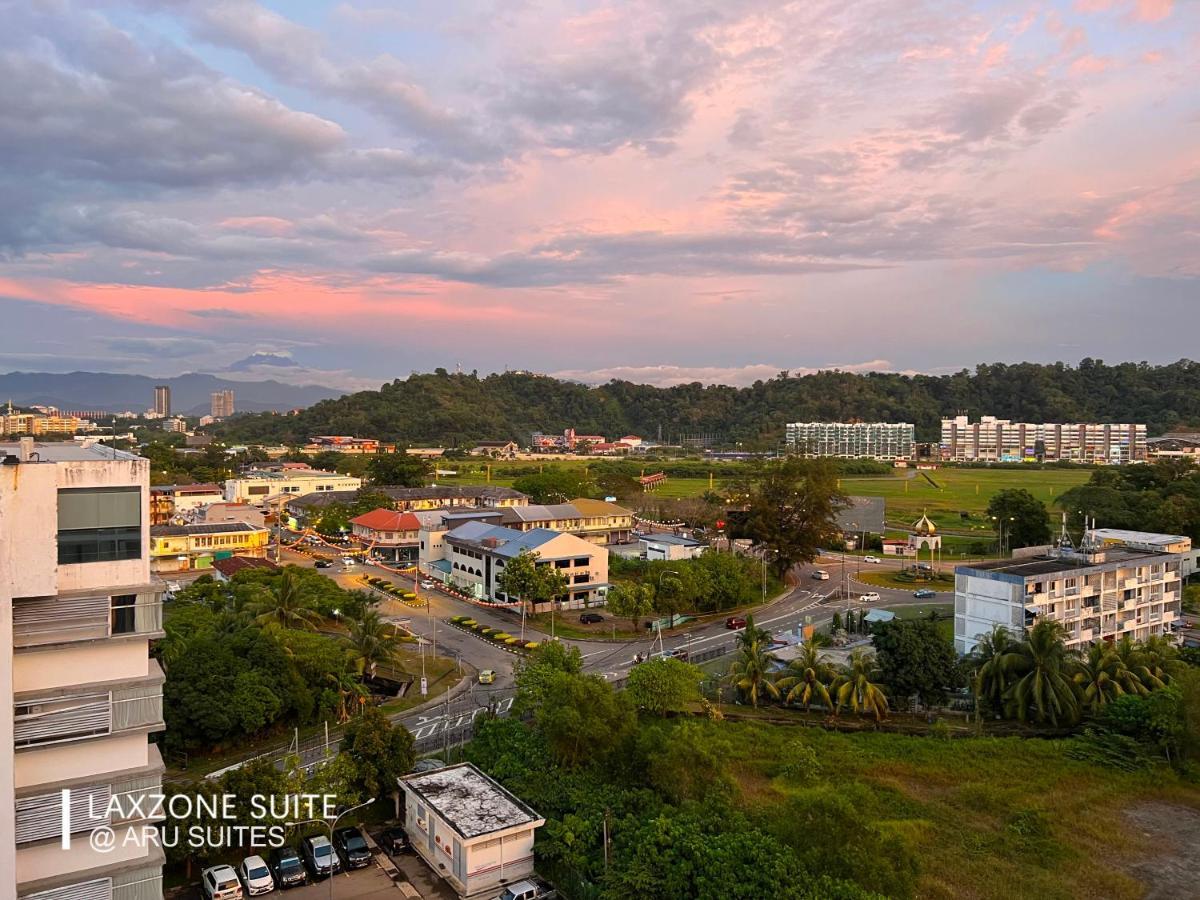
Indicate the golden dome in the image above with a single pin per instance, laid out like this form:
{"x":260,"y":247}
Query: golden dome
{"x":924,"y":525}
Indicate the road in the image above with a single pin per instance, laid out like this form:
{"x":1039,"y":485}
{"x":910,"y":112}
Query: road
{"x":809,"y":602}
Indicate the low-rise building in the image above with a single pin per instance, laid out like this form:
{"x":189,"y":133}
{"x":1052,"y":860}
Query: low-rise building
{"x":257,"y":485}
{"x":216,"y":513}
{"x":179,"y":548}
{"x":470,"y":830}
{"x":670,"y":546}
{"x":341,"y":443}
{"x":407,"y":499}
{"x":596,"y":521}
{"x":390,"y":535}
{"x":170,"y":500}
{"x":499,"y":449}
{"x":225,"y":569}
{"x":1118,"y":583}
{"x":471,"y":556}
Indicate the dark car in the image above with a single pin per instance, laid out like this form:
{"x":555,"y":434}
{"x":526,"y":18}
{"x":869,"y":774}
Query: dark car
{"x":591,"y":618}
{"x":924,"y":593}
{"x":735,"y":622}
{"x":288,"y":868}
{"x":394,"y":840}
{"x":352,"y":847}
{"x":323,"y":564}
{"x":319,"y":856}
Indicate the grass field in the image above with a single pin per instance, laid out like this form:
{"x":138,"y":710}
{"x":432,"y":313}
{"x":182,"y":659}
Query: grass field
{"x":954,"y":491}
{"x":983,"y":817}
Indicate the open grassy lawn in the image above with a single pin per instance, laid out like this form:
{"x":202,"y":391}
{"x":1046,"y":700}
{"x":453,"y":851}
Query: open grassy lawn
{"x":960,"y":490}
{"x":983,"y":817}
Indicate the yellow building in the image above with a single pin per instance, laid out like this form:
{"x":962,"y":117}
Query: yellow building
{"x":177,"y":548}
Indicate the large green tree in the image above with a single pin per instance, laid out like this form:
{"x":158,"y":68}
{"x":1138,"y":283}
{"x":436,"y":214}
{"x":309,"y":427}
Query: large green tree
{"x":663,"y":686}
{"x":916,"y":659}
{"x":631,"y":601}
{"x":793,"y":506}
{"x":1022,"y":516}
{"x":582,"y":718}
{"x":397,"y":469}
{"x":381,"y":752}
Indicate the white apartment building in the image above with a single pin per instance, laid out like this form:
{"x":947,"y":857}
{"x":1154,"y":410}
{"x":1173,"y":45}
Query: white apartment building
{"x":79,"y":693}
{"x":256,"y":486}
{"x":852,"y":440}
{"x":999,"y":440}
{"x":1120,"y":583}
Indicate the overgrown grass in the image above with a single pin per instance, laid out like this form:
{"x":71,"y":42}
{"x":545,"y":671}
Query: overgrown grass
{"x":986,"y":817}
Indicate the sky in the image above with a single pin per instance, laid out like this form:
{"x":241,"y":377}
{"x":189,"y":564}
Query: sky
{"x":346,"y":192}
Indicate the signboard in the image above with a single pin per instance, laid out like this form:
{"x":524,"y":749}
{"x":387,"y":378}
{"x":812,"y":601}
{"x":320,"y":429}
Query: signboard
{"x":424,"y":687}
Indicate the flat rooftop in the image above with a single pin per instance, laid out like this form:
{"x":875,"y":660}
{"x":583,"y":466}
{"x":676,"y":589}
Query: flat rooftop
{"x":68,"y":451}
{"x":469,"y":801}
{"x":1048,"y":565}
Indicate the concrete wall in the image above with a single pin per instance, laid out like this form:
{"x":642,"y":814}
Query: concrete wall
{"x":106,"y":473}
{"x":37,"y":670}
{"x":80,"y":759}
{"x":980,"y":603}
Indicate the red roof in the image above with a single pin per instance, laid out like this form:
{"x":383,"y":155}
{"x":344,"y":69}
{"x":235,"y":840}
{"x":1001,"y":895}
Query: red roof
{"x":234,"y":564}
{"x":387,"y":520}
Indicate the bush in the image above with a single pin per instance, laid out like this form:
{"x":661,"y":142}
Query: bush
{"x":532,"y":645}
{"x":512,"y":640}
{"x":501,"y":636}
{"x":409,"y":595}
{"x":470,"y":623}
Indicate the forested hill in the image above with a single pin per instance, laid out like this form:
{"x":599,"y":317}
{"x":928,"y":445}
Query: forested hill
{"x":449,"y":409}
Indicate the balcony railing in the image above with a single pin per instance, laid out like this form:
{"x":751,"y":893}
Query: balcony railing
{"x":55,"y":620}
{"x":73,"y":718}
{"x":40,"y":817}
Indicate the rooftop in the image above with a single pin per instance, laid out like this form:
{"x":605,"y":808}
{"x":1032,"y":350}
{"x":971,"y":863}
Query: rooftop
{"x":541,"y":511}
{"x":186,"y":489}
{"x":508,"y":542}
{"x":469,"y":801}
{"x":589,"y":507}
{"x":214,"y":528}
{"x":387,"y":520}
{"x":1028,"y":567}
{"x":1146,"y":538}
{"x":677,"y":540}
{"x":69,"y":451}
{"x":234,"y":564}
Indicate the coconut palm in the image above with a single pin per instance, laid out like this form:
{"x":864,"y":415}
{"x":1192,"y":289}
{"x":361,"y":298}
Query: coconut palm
{"x":991,"y":678}
{"x":807,"y":678}
{"x":1042,"y":668}
{"x":372,"y":641}
{"x":352,"y":694}
{"x":1158,"y":657}
{"x":750,"y":672}
{"x":855,"y":688}
{"x":751,"y":635}
{"x":284,"y":606}
{"x":1135,"y":676}
{"x":1099,"y":674}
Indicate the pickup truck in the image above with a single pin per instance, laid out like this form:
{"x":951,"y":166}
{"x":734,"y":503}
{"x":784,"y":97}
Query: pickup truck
{"x":528,"y":890}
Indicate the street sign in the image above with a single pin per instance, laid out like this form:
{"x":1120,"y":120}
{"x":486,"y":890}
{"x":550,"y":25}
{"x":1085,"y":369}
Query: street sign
{"x":424,"y":687}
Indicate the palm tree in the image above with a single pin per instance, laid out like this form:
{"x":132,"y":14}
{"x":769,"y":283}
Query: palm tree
{"x":284,"y":607}
{"x":807,"y":678}
{"x":1099,"y":675}
{"x":372,"y":641}
{"x":1135,"y":677}
{"x":991,"y":678}
{"x":1042,"y":667}
{"x":750,"y":672}
{"x":352,"y":694}
{"x":854,"y":687}
{"x":1158,"y":656}
{"x":751,"y":635}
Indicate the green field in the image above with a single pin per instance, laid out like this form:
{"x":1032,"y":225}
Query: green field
{"x":908,"y":493}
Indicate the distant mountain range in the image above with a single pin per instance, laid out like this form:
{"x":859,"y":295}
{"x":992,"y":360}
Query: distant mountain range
{"x":190,"y":394}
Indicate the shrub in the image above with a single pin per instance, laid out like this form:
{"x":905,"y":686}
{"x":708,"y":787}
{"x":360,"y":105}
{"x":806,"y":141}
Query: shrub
{"x":485,"y":631}
{"x":470,"y":623}
{"x":501,"y":636}
{"x":512,"y":640}
{"x":532,"y":645}
{"x":409,"y":595}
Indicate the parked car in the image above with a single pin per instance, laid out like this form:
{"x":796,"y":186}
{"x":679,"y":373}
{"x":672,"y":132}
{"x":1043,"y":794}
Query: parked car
{"x":221,"y":883}
{"x":427,"y":585}
{"x":394,"y":840}
{"x":319,"y":856}
{"x":590,"y":618}
{"x":872,"y":559}
{"x":288,"y":868}
{"x":820,"y":575}
{"x":528,"y":890}
{"x":256,"y":876}
{"x":869,"y":597}
{"x":323,"y":564}
{"x":924,"y":567}
{"x":924,"y":593}
{"x":353,"y":849}
{"x":487,"y":676}
{"x":735,"y":622}
{"x":348,"y":561}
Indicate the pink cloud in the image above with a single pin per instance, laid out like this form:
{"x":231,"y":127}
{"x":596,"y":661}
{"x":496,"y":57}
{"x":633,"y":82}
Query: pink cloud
{"x":1153,"y":10}
{"x":1091,"y":65}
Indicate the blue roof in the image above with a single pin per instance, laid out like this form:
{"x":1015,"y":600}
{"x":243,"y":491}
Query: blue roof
{"x":510,"y":541}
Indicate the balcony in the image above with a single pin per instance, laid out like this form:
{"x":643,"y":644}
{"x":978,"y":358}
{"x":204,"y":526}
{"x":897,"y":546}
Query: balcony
{"x":55,"y":620}
{"x":53,"y":720}
{"x":40,"y":817}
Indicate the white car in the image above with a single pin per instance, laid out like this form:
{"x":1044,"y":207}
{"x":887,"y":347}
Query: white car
{"x":869,"y":597}
{"x":872,"y":559}
{"x":427,"y":585}
{"x":347,"y":561}
{"x":256,"y":876}
{"x":221,"y":883}
{"x":820,"y":575}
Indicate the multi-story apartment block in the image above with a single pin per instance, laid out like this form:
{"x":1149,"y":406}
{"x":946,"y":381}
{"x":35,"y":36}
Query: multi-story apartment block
{"x":471,"y":556}
{"x":852,"y":440}
{"x":79,"y":693}
{"x":1119,"y":583}
{"x":259,"y":485}
{"x":221,"y":405}
{"x":162,"y":400}
{"x":999,"y":440}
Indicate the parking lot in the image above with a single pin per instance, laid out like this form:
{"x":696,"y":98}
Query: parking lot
{"x":368,"y":882}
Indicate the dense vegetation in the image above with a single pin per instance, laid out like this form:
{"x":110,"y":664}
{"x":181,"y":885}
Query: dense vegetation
{"x":1164,"y":497}
{"x":444,"y":408}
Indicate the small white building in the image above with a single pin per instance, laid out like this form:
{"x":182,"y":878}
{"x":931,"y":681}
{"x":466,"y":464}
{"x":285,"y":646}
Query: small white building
{"x":469,"y":829}
{"x":671,"y":546}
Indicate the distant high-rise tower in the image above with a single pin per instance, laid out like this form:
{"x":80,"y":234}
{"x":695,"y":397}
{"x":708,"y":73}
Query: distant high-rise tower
{"x":162,"y":401}
{"x":222,"y":404}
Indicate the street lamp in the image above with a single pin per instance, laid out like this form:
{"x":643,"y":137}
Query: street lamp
{"x":660,"y":578}
{"x":332,"y":826}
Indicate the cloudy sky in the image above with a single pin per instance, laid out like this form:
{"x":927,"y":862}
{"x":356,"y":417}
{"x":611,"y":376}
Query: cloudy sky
{"x":660,"y":191}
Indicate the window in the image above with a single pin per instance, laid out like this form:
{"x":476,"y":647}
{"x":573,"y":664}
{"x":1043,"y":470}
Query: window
{"x":99,"y":524}
{"x":124,"y":607}
{"x":258,"y":491}
{"x":583,"y":561}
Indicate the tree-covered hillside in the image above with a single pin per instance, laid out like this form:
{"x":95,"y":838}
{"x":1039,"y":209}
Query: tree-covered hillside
{"x":453,"y":409}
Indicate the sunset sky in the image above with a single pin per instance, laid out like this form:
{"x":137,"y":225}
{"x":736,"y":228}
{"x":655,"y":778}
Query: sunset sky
{"x":661,"y":191}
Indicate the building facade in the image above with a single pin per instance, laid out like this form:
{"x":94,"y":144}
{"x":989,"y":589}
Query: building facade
{"x":1000,"y":440}
{"x":259,"y":485}
{"x":388,"y":534}
{"x":170,"y":500}
{"x":1120,"y":583}
{"x":221,"y":404}
{"x":80,"y":693}
{"x":469,"y":829}
{"x":180,"y":548}
{"x":162,"y":400}
{"x":852,"y":440}
{"x":596,"y":521}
